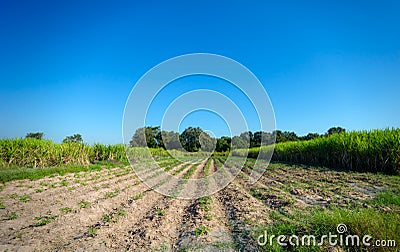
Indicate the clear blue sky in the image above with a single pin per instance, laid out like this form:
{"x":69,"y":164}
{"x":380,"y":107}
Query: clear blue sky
{"x":68,"y":67}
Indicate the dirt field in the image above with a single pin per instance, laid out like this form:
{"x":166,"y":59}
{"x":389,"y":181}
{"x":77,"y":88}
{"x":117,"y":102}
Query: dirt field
{"x":112,"y":210}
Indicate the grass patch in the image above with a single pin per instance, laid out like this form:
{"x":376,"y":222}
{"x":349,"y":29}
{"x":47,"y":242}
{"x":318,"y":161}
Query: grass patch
{"x":160,"y":212}
{"x":201,"y":230}
{"x":64,"y":183}
{"x":319,"y":222}
{"x":12,"y":196}
{"x":2,"y":206}
{"x":92,"y":231}
{"x":386,"y":199}
{"x":205,"y":203}
{"x":43,"y":220}
{"x":113,"y":194}
{"x":106,"y":217}
{"x":190,"y":172}
{"x":19,"y":235}
{"x":183,"y":167}
{"x":121,"y":213}
{"x":65,"y":210}
{"x":84,"y":204}
{"x":25,"y":198}
{"x":137,"y":196}
{"x":38,"y":173}
{"x":11,"y":216}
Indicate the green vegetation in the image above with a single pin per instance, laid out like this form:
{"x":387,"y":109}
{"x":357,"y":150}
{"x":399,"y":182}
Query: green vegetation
{"x":205,"y":203}
{"x":11,"y":216}
{"x":113,"y":194}
{"x":2,"y":206}
{"x":43,"y":220}
{"x":121,"y":213}
{"x":160,"y":212}
{"x":76,"y":138}
{"x":365,"y":151}
{"x":12,"y":196}
{"x":318,"y":222}
{"x":84,"y":204}
{"x":106,"y":217}
{"x":32,"y":153}
{"x":37,"y":173}
{"x":65,"y":210}
{"x":201,"y":230}
{"x":190,"y":172}
{"x":36,"y":135}
{"x":137,"y":196}
{"x":387,"y":199}
{"x":92,"y":231}
{"x":25,"y":198}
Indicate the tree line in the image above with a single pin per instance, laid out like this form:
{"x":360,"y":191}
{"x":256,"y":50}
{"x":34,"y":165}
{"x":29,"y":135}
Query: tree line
{"x":193,"y":139}
{"x":75,"y":138}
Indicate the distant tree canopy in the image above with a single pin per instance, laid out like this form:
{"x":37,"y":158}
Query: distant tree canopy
{"x":194,"y":139}
{"x":37,"y":135}
{"x":334,"y":130}
{"x":146,"y":136}
{"x":223,"y":144}
{"x":76,"y":138}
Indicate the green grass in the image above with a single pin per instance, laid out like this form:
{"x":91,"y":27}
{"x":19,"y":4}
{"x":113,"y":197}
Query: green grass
{"x":180,"y":169}
{"x":2,"y":206}
{"x":11,"y":216}
{"x":160,"y":212}
{"x":38,"y":190}
{"x":64,"y":183}
{"x":13,"y":196}
{"x":113,"y":194}
{"x":38,"y":173}
{"x":319,"y":221}
{"x":365,"y":151}
{"x":137,"y":196}
{"x":92,"y":231}
{"x":43,"y":220}
{"x":121,"y":213}
{"x":207,"y":168}
{"x":205,"y":203}
{"x":201,"y":230}
{"x":25,"y":198}
{"x":106,"y":217}
{"x":190,"y":172}
{"x":65,"y":210}
{"x":387,"y":199}
{"x":84,"y":204}
{"x":34,"y":153}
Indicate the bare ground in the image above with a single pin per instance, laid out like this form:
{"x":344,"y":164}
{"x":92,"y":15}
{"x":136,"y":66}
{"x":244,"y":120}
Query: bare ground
{"x":113,"y":210}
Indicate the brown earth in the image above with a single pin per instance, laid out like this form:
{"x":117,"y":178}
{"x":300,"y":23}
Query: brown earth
{"x":112,"y":210}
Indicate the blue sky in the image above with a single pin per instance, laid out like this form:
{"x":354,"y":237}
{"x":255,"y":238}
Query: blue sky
{"x":68,"y":67}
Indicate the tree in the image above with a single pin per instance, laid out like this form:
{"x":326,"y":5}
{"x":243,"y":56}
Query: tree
{"x":169,"y":140}
{"x":223,"y":144}
{"x":262,"y":137}
{"x":207,"y":143}
{"x":239,"y":143}
{"x":335,"y":130}
{"x":145,"y":136}
{"x":190,"y":139}
{"x":247,"y":137}
{"x":310,"y":136}
{"x":37,"y":135}
{"x":285,"y":136}
{"x":76,"y":138}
